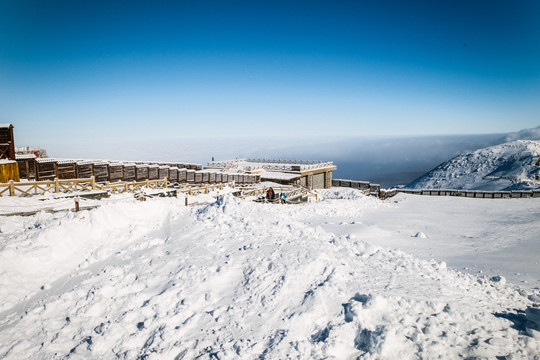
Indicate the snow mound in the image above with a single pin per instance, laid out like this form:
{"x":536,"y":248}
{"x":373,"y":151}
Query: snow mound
{"x":509,"y":166}
{"x":340,"y":194}
{"x":237,"y":279}
{"x":420,"y":235}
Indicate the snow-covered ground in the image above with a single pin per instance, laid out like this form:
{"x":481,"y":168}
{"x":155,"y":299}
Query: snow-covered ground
{"x":509,"y":166}
{"x":239,"y":279}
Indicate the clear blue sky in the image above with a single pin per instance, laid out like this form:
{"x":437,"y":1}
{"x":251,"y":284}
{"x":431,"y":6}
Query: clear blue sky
{"x":75,"y":69}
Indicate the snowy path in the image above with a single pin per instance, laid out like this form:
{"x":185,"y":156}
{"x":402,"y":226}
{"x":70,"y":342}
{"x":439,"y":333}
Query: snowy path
{"x":236,"y":279}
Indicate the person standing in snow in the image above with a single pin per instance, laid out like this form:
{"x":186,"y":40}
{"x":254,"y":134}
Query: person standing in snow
{"x":270,"y":194}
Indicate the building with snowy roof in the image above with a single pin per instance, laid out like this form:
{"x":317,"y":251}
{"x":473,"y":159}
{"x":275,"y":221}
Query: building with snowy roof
{"x":311,"y":174}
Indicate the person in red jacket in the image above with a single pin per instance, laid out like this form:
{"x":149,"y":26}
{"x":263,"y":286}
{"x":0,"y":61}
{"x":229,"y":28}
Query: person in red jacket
{"x":270,"y":195}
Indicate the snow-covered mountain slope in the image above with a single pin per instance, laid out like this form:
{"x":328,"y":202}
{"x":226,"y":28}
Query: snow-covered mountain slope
{"x":237,"y":279}
{"x":509,"y":166}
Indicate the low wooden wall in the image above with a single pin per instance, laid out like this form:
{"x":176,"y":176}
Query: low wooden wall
{"x":48,"y":169}
{"x":355,"y":184}
{"x":479,"y":194}
{"x":375,"y":189}
{"x":45,"y":169}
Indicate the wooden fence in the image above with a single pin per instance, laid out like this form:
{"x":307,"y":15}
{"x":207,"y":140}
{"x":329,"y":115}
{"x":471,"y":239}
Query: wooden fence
{"x":365,"y":186}
{"x":48,"y":169}
{"x":33,"y":188}
{"x":197,"y":190}
{"x":40,"y":169}
{"x":375,"y":189}
{"x":474,"y":193}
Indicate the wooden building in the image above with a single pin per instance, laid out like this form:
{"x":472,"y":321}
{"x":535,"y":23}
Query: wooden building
{"x":310,"y":174}
{"x":7,"y":143}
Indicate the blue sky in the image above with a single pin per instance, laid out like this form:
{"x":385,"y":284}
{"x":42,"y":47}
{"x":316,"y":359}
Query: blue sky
{"x":81,"y":72}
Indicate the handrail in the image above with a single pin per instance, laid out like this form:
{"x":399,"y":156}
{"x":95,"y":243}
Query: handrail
{"x":33,"y":188}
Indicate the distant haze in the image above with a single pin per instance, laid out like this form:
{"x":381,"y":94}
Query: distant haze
{"x":387,"y":161}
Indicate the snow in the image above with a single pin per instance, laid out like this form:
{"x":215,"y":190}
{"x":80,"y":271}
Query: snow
{"x":343,"y":277}
{"x":508,"y":166}
{"x":275,"y":175}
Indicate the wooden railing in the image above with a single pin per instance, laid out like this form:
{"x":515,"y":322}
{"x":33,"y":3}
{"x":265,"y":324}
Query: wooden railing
{"x":132,"y":187}
{"x":189,"y":190}
{"x":33,"y":188}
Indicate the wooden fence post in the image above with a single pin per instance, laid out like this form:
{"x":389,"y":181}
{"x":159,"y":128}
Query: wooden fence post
{"x":11,"y":188}
{"x":186,"y":200}
{"x":93,"y":181}
{"x":56,"y":185}
{"x":126,"y":187}
{"x":165,"y":179}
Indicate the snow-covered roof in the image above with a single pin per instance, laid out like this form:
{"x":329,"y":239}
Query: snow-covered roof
{"x":65,"y":161}
{"x":24,"y":156}
{"x":46,"y":160}
{"x":271,"y":164}
{"x":274,"y":175}
{"x":84,"y":162}
{"x":209,"y":171}
{"x":3,"y":126}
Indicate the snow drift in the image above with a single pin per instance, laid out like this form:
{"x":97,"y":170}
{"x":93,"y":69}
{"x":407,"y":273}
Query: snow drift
{"x":237,"y":279}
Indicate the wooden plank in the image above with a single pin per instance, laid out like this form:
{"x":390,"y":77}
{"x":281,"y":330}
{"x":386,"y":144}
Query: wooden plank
{"x":163,"y":172}
{"x":183,"y":176}
{"x":173,"y":174}
{"x":153,"y":172}
{"x":116,"y":172}
{"x":66,"y":170}
{"x":141,"y":172}
{"x":45,"y":170}
{"x":198,"y":178}
{"x":205,"y":177}
{"x":101,"y":172}
{"x":84,"y":170}
{"x":129,"y":172}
